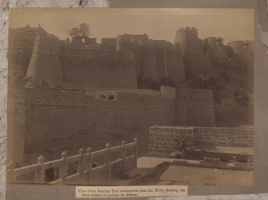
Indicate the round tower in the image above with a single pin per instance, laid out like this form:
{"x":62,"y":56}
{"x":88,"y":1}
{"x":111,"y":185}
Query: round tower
{"x":238,"y":46}
{"x":119,"y":42}
{"x":45,"y":62}
{"x":187,"y":38}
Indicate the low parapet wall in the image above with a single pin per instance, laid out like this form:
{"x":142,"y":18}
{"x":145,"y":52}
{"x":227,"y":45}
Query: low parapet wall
{"x":161,"y":137}
{"x":225,"y":136}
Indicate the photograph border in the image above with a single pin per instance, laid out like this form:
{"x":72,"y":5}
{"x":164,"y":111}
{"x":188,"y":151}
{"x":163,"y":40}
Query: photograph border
{"x":260,"y":109}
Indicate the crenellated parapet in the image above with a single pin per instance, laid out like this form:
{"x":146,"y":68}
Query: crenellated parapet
{"x":187,"y":38}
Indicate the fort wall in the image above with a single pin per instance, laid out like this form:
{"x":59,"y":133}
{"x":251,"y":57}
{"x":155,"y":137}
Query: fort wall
{"x":149,"y":62}
{"x":20,"y":56}
{"x":45,"y":62}
{"x":161,"y":142}
{"x":108,"y":43}
{"x":16,"y":114}
{"x":53,"y":115}
{"x":187,"y":38}
{"x":156,"y":59}
{"x":197,"y":63}
{"x":245,"y":51}
{"x":169,"y":61}
{"x":100,"y":68}
{"x":194,"y":108}
{"x":213,"y":41}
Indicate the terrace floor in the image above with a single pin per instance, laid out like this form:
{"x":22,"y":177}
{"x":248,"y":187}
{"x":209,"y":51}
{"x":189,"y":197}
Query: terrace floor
{"x":185,"y":175}
{"x":225,"y":149}
{"x":166,"y":171}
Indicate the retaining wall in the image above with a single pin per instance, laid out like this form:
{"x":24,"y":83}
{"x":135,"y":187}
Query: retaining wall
{"x":161,"y":137}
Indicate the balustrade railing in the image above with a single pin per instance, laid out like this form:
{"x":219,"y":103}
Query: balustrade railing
{"x":85,"y":166}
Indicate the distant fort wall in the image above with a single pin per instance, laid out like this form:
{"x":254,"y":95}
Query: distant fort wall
{"x":194,"y":108}
{"x":108,"y":43}
{"x":45,"y":62}
{"x":100,"y":68}
{"x":189,"y":56}
{"x":154,"y":59}
{"x":187,"y":38}
{"x":20,"y":56}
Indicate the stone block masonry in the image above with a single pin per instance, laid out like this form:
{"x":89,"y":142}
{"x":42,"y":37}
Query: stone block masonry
{"x":225,"y":136}
{"x":161,"y":137}
{"x":54,"y":116}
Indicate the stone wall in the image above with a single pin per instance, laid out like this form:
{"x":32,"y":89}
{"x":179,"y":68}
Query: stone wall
{"x":225,"y":136}
{"x":108,"y":43}
{"x":161,"y":137}
{"x":99,"y":68}
{"x":16,"y":115}
{"x":53,"y":114}
{"x":45,"y":62}
{"x":194,"y":107}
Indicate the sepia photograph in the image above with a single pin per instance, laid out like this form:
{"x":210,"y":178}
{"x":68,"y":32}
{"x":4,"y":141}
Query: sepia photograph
{"x":131,"y":96}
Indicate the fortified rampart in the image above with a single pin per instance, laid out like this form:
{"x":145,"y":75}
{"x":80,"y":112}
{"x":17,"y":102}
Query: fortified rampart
{"x":213,"y":41}
{"x":21,"y":42}
{"x":70,"y":112}
{"x":195,"y":59}
{"x":194,"y":108}
{"x":16,"y":114}
{"x":197,"y":63}
{"x":108,"y":43}
{"x":20,"y":56}
{"x":100,"y":68}
{"x":244,"y":49}
{"x":83,"y":91}
{"x":68,"y":115}
{"x":188,"y":39}
{"x":45,"y":62}
{"x":154,"y":58}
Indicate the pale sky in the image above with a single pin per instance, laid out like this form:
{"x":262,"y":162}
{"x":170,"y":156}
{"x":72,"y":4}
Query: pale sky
{"x":159,"y":24}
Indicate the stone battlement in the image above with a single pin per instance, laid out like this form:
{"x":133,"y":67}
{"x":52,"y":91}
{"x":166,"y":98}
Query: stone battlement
{"x":187,"y":30}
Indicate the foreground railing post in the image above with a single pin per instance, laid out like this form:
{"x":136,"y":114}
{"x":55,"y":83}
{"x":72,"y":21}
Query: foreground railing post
{"x":108,"y":158}
{"x":11,"y":178}
{"x":40,"y":174}
{"x":63,"y":167}
{"x":81,"y":164}
{"x":123,"y":156}
{"x":89,"y":164}
{"x":136,"y":152}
